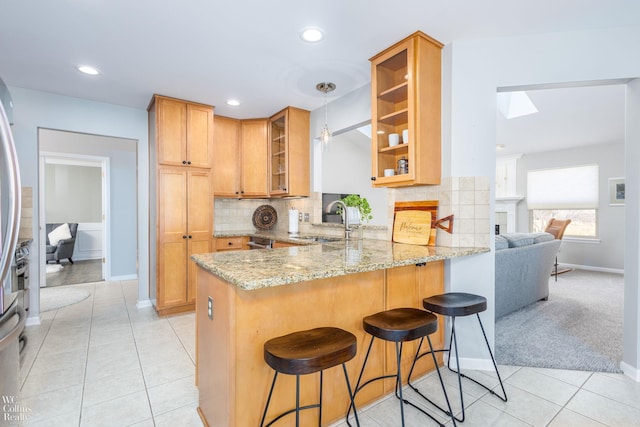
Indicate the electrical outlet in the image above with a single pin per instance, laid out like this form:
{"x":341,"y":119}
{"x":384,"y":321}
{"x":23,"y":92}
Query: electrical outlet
{"x":210,"y":308}
{"x":306,"y":217}
{"x":300,"y":216}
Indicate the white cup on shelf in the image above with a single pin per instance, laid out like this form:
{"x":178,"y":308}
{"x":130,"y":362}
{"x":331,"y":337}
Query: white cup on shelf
{"x":405,"y":136}
{"x":389,"y":172}
{"x":394,"y":139}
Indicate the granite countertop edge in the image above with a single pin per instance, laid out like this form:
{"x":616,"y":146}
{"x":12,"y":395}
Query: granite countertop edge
{"x":258,"y":269}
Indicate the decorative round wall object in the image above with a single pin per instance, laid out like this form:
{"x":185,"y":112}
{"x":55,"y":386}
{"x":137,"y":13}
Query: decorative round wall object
{"x":265,"y":217}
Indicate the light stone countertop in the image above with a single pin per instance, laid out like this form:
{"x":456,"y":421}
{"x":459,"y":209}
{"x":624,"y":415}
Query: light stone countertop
{"x":256,"y":269}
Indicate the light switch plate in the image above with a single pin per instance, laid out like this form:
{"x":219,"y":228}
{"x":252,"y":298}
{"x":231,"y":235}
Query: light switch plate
{"x":210,"y":307}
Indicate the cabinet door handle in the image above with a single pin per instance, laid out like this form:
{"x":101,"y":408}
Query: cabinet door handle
{"x":184,"y":236}
{"x":184,"y":162}
{"x":190,"y":236}
{"x":189,"y":162}
{"x":230,"y":243}
{"x":373,"y":178}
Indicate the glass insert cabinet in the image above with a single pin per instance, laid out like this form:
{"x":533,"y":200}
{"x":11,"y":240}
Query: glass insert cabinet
{"x":406,"y":97}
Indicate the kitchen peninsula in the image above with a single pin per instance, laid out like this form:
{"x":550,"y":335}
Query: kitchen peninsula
{"x":247,"y":297}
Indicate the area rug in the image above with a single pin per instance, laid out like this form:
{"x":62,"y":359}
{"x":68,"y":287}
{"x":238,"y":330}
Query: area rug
{"x":578,"y":328}
{"x":54,"y":268}
{"x":61,"y":296}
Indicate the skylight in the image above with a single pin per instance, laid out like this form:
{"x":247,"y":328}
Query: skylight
{"x":515,"y":104}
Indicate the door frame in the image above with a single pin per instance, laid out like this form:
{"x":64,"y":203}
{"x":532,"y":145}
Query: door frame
{"x":76,"y":160}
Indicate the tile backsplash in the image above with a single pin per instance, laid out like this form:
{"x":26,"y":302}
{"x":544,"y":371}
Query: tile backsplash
{"x":466,"y":198}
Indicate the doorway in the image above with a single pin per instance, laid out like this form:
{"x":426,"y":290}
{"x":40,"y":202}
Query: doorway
{"x":76,"y":192}
{"x":577,"y":124}
{"x":116,"y":159}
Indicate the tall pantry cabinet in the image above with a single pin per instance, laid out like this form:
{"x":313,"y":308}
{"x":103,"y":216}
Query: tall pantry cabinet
{"x":181,"y":199}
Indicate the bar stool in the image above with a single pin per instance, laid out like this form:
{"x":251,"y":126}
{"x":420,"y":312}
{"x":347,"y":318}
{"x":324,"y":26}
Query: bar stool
{"x":306,"y":352}
{"x":400,"y":325}
{"x":458,"y":304}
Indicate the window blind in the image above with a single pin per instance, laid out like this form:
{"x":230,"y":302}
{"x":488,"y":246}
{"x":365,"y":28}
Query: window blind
{"x":563,"y":188}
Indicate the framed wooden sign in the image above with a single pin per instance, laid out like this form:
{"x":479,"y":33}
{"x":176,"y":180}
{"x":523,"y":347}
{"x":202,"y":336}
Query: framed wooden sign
{"x":416,"y":222}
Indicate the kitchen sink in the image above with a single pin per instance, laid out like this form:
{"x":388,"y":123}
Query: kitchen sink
{"x":318,"y":239}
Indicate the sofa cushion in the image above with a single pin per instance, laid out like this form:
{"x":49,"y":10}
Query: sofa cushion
{"x":517,"y":240}
{"x":542,"y":237}
{"x":501,"y":242}
{"x":59,"y":233}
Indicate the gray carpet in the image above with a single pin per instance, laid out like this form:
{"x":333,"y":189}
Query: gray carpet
{"x":579,"y":328}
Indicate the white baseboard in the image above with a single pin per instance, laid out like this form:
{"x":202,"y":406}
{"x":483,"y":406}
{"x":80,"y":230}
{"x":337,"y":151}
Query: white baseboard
{"x":33,"y":321}
{"x":473,"y":364}
{"x":143,"y":303}
{"x":630,"y":371}
{"x":592,"y":268}
{"x":124,"y":277}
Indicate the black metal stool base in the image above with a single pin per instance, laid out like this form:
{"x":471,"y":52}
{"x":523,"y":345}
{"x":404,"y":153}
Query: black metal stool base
{"x":453,"y":342}
{"x":382,"y":326}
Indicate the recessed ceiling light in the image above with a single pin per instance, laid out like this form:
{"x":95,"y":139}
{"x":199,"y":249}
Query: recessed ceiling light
{"x":499,"y":146}
{"x":233,"y":102}
{"x":311,"y":34}
{"x":87,"y":69}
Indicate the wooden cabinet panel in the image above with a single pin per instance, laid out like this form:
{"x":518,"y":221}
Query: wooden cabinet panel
{"x":171,"y":131}
{"x":199,"y":135}
{"x":226,"y":164}
{"x":254,"y":155}
{"x":406,"y":98}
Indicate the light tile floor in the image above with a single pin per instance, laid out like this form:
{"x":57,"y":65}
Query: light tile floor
{"x":104,"y":362}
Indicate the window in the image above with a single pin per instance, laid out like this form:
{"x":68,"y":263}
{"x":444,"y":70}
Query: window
{"x":564,"y":193}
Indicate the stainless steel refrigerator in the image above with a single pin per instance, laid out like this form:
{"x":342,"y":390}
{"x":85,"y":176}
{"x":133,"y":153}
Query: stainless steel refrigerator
{"x":12,"y":315}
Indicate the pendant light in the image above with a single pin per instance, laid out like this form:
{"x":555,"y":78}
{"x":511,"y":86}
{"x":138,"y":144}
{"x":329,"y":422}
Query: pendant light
{"x":325,"y":135}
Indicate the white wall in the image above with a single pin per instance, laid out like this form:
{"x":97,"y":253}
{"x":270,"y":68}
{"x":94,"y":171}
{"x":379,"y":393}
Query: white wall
{"x":33,"y":110}
{"x":73,"y":193}
{"x":478,"y":68}
{"x":608,"y":253}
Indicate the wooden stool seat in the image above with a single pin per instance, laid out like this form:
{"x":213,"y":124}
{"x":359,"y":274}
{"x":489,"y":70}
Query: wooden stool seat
{"x":455,"y":304}
{"x":306,"y":352}
{"x":400,"y":324}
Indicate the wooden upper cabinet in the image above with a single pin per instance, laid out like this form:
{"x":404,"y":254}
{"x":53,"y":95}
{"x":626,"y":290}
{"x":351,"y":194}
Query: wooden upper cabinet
{"x":254,"y":155}
{"x":226,"y":154}
{"x":240,"y":157}
{"x":406,"y":98}
{"x":289,"y":159}
{"x":184,"y":133}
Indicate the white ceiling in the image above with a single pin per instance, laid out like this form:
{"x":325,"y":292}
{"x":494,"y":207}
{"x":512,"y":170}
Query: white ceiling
{"x":208,"y":51}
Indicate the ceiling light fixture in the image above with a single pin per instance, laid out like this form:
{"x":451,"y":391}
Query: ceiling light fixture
{"x":499,"y":146}
{"x":325,"y":135}
{"x":311,"y":34}
{"x":233,"y":102}
{"x":87,"y":69}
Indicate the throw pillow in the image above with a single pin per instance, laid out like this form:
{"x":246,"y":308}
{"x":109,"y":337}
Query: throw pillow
{"x":61,"y":232}
{"x":517,"y":240}
{"x":542,"y":237}
{"x":501,"y":242}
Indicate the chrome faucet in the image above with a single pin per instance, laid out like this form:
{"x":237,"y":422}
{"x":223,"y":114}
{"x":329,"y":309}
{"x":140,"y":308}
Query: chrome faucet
{"x":347,"y":228}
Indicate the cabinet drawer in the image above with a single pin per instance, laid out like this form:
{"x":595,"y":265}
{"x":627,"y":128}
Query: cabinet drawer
{"x":231,"y":243}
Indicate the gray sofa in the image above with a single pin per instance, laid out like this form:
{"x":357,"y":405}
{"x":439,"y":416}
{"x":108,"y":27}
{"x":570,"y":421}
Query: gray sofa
{"x":523,"y":266}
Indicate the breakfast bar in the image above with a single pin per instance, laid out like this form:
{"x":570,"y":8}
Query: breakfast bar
{"x":244,"y":298}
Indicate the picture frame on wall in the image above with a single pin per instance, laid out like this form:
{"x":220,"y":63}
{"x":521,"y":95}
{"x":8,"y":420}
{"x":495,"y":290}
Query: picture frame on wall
{"x":616,"y":191}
